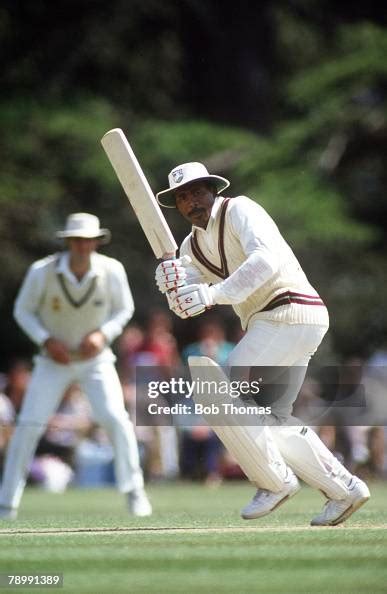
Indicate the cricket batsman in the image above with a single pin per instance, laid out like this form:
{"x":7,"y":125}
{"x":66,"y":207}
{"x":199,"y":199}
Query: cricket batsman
{"x":239,"y":257}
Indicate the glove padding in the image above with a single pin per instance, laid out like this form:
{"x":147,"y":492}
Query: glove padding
{"x":190,"y":300}
{"x":171,"y":274}
{"x":173,"y":305}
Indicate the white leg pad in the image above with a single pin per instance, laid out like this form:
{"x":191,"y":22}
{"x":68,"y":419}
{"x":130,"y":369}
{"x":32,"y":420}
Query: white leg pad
{"x":253,"y":447}
{"x":311,"y":460}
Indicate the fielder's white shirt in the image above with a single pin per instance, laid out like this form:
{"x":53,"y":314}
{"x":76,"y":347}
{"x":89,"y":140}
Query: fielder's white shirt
{"x":244,"y":256}
{"x":53,"y":303}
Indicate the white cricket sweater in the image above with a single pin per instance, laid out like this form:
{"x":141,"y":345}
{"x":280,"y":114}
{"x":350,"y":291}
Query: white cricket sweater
{"x":53,"y":303}
{"x":244,"y":256}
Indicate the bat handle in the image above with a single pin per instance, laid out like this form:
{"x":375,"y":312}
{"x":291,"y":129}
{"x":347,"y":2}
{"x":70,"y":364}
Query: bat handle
{"x":169,"y":256}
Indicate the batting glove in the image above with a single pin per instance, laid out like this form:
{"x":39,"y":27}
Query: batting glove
{"x":171,"y":274}
{"x":173,"y":304}
{"x":192,"y":300}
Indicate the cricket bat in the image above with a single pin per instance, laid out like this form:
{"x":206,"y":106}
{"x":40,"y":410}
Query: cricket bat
{"x":139,"y":193}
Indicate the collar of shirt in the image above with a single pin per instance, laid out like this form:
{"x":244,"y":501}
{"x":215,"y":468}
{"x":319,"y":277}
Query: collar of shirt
{"x":63,"y":267}
{"x":211,"y":221}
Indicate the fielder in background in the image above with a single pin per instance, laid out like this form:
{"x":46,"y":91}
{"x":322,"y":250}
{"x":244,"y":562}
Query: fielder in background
{"x":73,"y":304}
{"x":236,"y":255}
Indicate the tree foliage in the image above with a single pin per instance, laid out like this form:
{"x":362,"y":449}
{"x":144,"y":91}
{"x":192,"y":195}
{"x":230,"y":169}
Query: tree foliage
{"x":299,"y":127}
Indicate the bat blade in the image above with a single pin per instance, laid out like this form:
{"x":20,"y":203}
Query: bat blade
{"x":139,"y":193}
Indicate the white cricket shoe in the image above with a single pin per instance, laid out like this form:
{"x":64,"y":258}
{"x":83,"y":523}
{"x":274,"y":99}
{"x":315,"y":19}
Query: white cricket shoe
{"x":139,"y":504}
{"x":264,"y":501}
{"x":8,"y":513}
{"x":336,"y":511}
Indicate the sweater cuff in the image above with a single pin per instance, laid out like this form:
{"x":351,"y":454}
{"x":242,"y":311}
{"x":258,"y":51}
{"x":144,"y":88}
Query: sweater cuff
{"x":41,"y":337}
{"x":217,"y":296}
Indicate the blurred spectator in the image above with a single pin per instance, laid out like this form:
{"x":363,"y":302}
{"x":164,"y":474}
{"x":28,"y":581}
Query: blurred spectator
{"x":54,"y":463}
{"x":373,"y":438}
{"x":71,"y":422}
{"x":155,"y":351}
{"x":13,"y":386}
{"x":17,"y":378}
{"x":202,"y":455}
{"x":130,"y":345}
{"x":160,"y":344}
{"x":94,"y":460}
{"x":7,"y":419}
{"x":211,"y":342}
{"x":379,"y":359}
{"x":360,"y":447}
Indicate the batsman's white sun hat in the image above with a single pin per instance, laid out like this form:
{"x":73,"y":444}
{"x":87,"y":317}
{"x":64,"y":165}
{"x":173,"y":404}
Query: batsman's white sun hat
{"x":82,"y":224}
{"x":186,"y":174}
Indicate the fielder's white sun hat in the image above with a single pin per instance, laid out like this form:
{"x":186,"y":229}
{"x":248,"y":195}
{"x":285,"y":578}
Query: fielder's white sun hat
{"x":186,"y":174}
{"x":82,"y":224}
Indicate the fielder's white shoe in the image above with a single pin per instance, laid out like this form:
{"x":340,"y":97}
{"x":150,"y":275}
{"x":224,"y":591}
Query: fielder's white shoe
{"x":139,"y":504}
{"x":336,"y":511}
{"x":264,"y":501}
{"x":8,"y":513}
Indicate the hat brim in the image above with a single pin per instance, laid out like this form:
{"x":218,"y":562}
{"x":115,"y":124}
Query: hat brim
{"x":104,"y":235}
{"x":167,"y":199}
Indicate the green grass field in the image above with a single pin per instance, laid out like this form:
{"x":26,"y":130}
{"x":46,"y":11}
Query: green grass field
{"x":195,"y":543}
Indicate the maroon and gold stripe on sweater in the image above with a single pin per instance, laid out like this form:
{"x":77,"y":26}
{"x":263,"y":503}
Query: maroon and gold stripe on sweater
{"x":292,"y":297}
{"x":221,"y":271}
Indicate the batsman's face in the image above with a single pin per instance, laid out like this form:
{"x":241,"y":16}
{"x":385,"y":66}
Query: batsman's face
{"x":194,"y":201}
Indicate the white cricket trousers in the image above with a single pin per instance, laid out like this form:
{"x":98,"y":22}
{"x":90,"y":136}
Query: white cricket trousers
{"x":272,"y":344}
{"x":99,"y":381}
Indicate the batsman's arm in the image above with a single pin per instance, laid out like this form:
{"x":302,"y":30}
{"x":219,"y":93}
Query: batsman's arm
{"x":261,"y":263}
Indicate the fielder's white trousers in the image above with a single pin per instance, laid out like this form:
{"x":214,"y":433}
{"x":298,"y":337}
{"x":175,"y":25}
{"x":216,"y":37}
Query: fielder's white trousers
{"x":269,"y":344}
{"x":99,"y":381}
